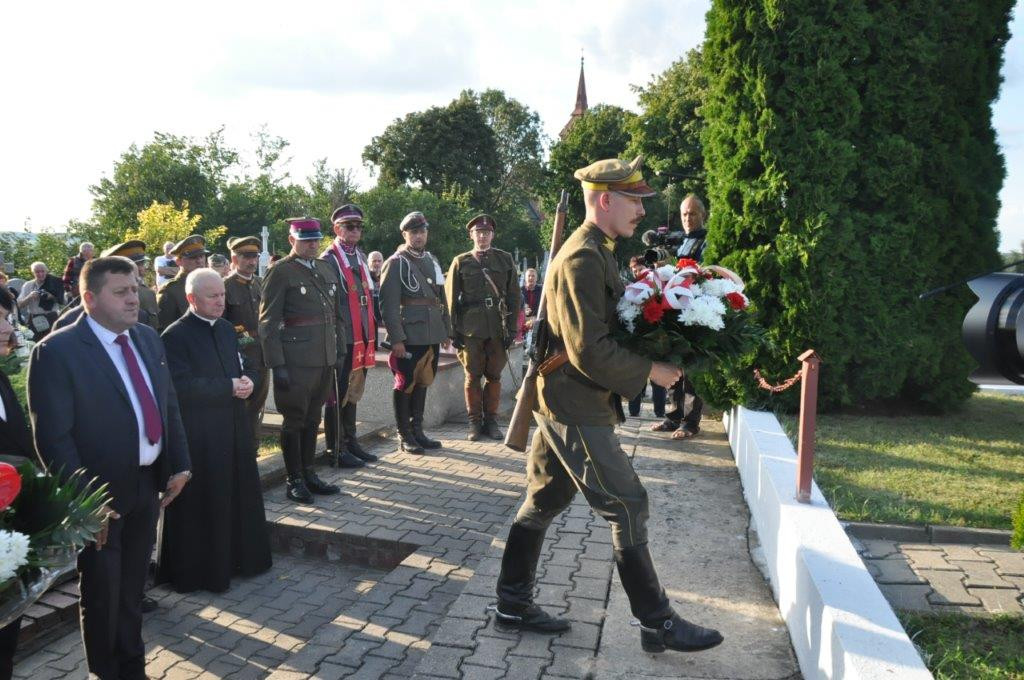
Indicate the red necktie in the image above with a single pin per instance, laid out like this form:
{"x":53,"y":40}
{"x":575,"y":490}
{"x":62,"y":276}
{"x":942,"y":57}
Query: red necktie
{"x":150,"y":413}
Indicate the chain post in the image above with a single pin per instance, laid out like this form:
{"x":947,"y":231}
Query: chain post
{"x":808,"y":416}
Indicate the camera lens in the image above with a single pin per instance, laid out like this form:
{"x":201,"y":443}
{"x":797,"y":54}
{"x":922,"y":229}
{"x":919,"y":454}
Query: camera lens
{"x":993,"y":330}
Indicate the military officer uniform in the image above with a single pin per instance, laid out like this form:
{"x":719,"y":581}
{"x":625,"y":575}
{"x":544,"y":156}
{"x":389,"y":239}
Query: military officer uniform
{"x":579,"y":388}
{"x":170,"y":299}
{"x":302,"y":330}
{"x":136,"y":252}
{"x":361,"y":343}
{"x":412,"y":304}
{"x":483,"y":296}
{"x":242,"y":308}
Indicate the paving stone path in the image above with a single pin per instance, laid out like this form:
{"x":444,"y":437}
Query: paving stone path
{"x":935,"y":577}
{"x":392,"y":579}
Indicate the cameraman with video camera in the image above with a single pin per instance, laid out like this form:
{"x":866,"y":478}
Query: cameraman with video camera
{"x":41,"y":300}
{"x":683,"y":421}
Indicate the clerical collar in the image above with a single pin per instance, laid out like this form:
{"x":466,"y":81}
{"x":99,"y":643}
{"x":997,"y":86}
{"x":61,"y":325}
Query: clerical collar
{"x":200,"y":316}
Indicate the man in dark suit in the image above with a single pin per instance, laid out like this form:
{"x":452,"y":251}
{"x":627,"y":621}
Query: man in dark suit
{"x":101,"y":398}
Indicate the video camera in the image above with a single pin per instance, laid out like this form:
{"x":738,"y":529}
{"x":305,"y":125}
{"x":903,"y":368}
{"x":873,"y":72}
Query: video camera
{"x":659,"y":245}
{"x":993,"y":330}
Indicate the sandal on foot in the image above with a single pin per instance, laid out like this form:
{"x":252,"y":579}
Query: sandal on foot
{"x":683,"y":433}
{"x":665,"y":426}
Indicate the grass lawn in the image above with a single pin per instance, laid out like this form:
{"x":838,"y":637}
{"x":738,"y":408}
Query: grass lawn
{"x":268,"y":445}
{"x":956,"y":646}
{"x":965,"y":468}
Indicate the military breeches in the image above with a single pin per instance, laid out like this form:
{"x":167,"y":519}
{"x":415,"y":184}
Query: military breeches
{"x":350,"y":383}
{"x":483,"y":357}
{"x":564,"y":458}
{"x":416,"y":370}
{"x":300,"y":405}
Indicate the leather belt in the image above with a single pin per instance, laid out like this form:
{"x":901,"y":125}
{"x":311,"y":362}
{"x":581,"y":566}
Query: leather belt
{"x":293,"y":321}
{"x":553,"y":362}
{"x":422,"y":302}
{"x":486,"y":302}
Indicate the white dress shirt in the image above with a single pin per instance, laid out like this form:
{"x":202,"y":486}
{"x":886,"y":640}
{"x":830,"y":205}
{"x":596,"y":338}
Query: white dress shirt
{"x":148,"y":453}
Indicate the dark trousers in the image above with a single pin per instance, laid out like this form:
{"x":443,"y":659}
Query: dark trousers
{"x":112,"y":581}
{"x":8,"y":645}
{"x":686,"y":406}
{"x":658,"y":395}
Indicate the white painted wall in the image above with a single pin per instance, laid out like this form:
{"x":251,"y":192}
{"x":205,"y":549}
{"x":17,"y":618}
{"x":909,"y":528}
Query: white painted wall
{"x":840,"y":623}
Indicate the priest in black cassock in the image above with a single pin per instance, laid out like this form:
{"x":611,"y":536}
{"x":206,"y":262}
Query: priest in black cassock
{"x":216,"y":528}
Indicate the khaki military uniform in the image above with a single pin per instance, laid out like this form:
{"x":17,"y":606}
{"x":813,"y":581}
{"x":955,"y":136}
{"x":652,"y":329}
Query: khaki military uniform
{"x":412,"y":304}
{"x":148,"y":307}
{"x":483,"y":318}
{"x":242,"y":309}
{"x":579,"y":401}
{"x":302,"y":329}
{"x":580,"y":387}
{"x":171,"y":302}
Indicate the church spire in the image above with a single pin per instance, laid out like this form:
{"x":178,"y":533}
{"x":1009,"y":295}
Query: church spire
{"x":581,"y":102}
{"x":581,"y":93}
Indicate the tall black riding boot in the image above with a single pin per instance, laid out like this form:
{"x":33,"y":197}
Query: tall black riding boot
{"x":313,"y":482}
{"x":515,"y":584}
{"x":342,"y":456}
{"x":331,"y":435}
{"x":348,"y":422}
{"x":291,"y":450}
{"x":403,"y":421}
{"x":660,"y":627}
{"x":418,"y":402}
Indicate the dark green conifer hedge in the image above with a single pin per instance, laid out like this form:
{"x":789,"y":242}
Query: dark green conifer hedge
{"x":852,"y":164}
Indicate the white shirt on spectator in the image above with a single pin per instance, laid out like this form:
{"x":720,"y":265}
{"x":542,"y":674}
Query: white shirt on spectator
{"x":148,"y":453}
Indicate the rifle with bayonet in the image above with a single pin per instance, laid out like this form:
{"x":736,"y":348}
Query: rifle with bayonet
{"x":526,"y":399}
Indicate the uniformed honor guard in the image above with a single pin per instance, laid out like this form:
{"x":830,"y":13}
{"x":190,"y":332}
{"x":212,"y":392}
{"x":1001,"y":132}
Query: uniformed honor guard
{"x":302,"y":329}
{"x":243,"y":290}
{"x":189,"y":254}
{"x":136,"y":252}
{"x":416,"y":318}
{"x":483,"y":294}
{"x":361,"y":341}
{"x":580,"y":388}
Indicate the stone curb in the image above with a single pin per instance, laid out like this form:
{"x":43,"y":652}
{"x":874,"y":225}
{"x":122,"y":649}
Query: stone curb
{"x":927,"y":533}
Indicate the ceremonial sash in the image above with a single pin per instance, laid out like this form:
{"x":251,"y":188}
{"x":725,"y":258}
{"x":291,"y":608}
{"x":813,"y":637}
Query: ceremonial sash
{"x":363,"y":353}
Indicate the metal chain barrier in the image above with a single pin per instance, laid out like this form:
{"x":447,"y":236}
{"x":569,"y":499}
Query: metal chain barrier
{"x":781,"y":387}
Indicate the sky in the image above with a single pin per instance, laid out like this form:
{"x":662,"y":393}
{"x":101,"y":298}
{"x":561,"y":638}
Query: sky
{"x":82,"y":81}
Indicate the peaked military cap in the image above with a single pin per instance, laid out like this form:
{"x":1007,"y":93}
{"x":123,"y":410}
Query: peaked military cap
{"x":347,"y":213}
{"x":190,"y":246}
{"x":414,"y":220}
{"x":482,"y":221}
{"x":615,"y":175}
{"x":244,"y":244}
{"x":133,"y":250}
{"x":304,"y":228}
